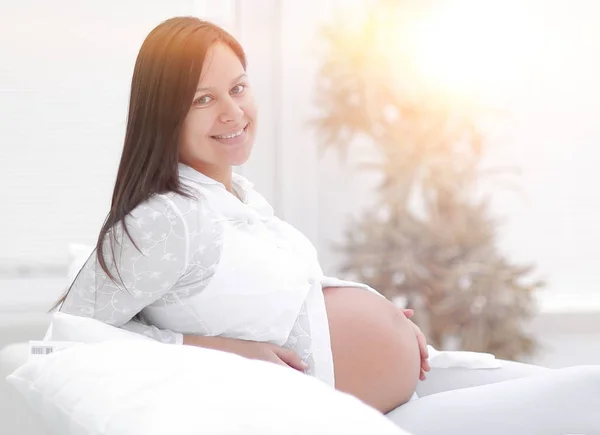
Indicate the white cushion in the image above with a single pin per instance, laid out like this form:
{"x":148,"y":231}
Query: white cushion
{"x":16,"y":416}
{"x":145,"y":387}
{"x":79,"y":254}
{"x":66,"y":327}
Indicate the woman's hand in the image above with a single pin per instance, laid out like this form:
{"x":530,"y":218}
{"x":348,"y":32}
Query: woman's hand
{"x":249,"y":349}
{"x":422,"y":345}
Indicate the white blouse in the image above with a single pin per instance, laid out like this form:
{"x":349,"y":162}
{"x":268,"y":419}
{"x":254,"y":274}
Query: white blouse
{"x":212,"y":265}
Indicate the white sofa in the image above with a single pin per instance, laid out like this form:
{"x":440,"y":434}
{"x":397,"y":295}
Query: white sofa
{"x":16,"y":418}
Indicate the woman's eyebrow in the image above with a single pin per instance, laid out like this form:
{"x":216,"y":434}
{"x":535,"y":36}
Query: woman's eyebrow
{"x":237,"y":79}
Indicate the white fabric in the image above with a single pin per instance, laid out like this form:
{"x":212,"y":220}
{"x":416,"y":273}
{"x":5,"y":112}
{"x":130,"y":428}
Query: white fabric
{"x":150,"y":388}
{"x":79,"y":255}
{"x":440,"y":380}
{"x":553,"y":402}
{"x":449,"y":359}
{"x":212,"y":265}
{"x":66,"y":327}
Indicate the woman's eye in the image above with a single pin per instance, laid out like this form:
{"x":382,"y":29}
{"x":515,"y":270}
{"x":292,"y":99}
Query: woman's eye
{"x":205,"y":99}
{"x":238,"y":89}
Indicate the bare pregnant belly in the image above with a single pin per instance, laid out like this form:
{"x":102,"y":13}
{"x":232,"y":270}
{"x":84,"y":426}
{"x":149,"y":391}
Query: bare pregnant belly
{"x":375,"y":353}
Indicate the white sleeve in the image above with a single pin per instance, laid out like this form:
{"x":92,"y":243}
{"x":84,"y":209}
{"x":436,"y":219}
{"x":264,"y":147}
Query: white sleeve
{"x":328,"y":281}
{"x":162,"y":335}
{"x":160,"y":234}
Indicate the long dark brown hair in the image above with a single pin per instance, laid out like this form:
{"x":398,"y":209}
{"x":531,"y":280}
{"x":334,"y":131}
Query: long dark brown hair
{"x":165,"y":77}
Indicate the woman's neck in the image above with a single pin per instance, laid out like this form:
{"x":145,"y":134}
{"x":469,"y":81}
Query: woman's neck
{"x":221,"y":174}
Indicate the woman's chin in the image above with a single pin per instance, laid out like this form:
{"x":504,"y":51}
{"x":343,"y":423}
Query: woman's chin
{"x":239,"y":157}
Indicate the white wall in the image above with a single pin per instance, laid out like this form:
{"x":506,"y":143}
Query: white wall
{"x":548,"y":212}
{"x":556,"y":142}
{"x":315,"y":195}
{"x":64,"y":89}
{"x":63,"y":100}
{"x":64,"y":83}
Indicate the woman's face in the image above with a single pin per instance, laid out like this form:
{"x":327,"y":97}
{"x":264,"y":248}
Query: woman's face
{"x":219,"y":129}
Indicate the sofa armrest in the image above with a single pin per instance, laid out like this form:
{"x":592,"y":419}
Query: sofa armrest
{"x":439,"y":380}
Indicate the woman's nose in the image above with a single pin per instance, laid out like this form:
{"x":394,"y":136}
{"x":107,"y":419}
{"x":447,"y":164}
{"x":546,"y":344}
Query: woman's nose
{"x":231,"y":111}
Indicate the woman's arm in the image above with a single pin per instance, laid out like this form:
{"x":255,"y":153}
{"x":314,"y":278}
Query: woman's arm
{"x":141,"y":276}
{"x":162,"y":335}
{"x":249,"y":349}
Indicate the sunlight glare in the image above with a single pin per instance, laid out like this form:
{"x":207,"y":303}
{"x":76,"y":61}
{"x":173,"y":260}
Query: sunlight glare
{"x":473,"y":47}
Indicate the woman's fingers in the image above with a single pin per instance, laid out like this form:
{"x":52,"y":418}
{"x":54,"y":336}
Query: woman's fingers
{"x":422,"y":341}
{"x":426,"y":365}
{"x":423,"y":345}
{"x":291,"y":359}
{"x":424,"y":352}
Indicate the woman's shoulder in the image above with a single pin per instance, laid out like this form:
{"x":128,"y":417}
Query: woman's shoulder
{"x":178,"y":212}
{"x":183,"y":204}
{"x":179,"y":219}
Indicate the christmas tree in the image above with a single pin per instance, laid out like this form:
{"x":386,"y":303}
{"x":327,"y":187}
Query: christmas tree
{"x":431,"y":236}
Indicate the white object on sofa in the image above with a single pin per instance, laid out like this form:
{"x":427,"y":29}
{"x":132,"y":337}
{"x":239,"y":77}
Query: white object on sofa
{"x":79,"y":254}
{"x":66,"y":327}
{"x":146,"y":387}
{"x":206,"y":388}
{"x":17,"y":418}
{"x":443,"y":359}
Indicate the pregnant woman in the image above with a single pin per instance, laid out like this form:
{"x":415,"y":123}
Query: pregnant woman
{"x":191,"y":254}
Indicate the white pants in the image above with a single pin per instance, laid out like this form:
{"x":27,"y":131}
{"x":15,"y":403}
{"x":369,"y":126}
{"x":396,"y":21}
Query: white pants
{"x":547,"y":402}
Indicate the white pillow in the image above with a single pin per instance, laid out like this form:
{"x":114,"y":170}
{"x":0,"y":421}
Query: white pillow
{"x":150,"y":388}
{"x":79,"y":254}
{"x":66,"y":327}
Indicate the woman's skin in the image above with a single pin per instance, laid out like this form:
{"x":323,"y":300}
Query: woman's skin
{"x":375,"y":353}
{"x":223,"y":106}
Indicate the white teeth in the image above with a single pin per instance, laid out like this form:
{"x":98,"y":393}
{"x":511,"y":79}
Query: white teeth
{"x":230,"y":136}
